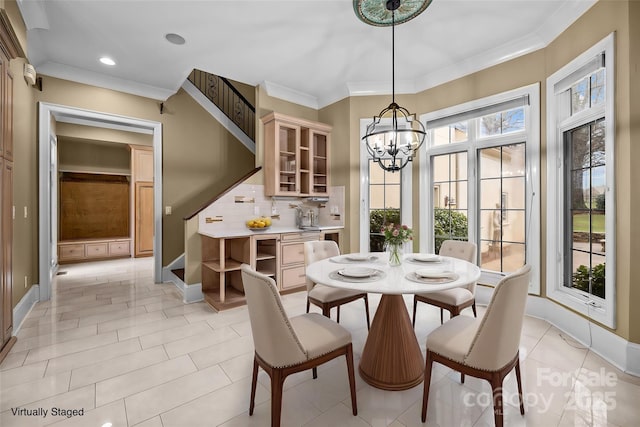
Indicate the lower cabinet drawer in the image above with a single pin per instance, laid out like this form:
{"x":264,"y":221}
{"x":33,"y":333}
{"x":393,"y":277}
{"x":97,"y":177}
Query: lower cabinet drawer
{"x":97,"y":250}
{"x":71,"y":252}
{"x":119,"y":248}
{"x":292,"y":253}
{"x":292,"y":277}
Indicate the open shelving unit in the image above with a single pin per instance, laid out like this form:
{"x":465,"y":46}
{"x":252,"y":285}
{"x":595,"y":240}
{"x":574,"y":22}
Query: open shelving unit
{"x":221,"y":278}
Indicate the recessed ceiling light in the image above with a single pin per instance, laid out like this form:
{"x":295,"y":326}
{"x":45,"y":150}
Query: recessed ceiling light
{"x":107,"y":61}
{"x":174,"y":38}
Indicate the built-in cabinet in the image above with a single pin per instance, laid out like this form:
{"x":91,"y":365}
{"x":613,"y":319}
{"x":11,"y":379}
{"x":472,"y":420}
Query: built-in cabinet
{"x":280,"y":256}
{"x":296,"y":156}
{"x":9,"y":49}
{"x":93,"y":250}
{"x":142,"y":181}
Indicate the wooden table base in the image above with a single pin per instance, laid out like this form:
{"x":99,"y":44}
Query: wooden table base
{"x":391,"y":358}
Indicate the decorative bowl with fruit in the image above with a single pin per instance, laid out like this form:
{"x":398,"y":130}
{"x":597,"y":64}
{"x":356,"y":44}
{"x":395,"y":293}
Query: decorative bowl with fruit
{"x":259,"y":224}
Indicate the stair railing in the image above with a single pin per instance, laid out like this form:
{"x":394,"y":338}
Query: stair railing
{"x":226,"y":97}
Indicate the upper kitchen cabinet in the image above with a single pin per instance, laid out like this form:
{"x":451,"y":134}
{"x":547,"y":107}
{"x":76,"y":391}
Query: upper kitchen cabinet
{"x":296,"y":156}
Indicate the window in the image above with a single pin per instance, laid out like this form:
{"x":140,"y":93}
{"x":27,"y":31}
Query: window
{"x":580,"y":159}
{"x":385,"y":197}
{"x":481,"y":181}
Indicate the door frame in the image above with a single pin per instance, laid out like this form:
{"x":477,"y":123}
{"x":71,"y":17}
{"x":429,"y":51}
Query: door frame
{"x":65,"y":114}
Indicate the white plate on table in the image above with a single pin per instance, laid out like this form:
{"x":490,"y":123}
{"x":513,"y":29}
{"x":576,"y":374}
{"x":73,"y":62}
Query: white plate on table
{"x":357,"y":272}
{"x":426,"y":273}
{"x":426,"y":257}
{"x":358,"y":257}
{"x":353,"y":258}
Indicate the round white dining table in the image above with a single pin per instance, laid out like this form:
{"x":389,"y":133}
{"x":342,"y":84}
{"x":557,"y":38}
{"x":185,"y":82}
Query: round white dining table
{"x":391,"y":358}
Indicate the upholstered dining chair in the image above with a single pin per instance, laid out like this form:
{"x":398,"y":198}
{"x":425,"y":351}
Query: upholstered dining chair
{"x":457,"y":299}
{"x":284,"y":346}
{"x":325,"y":296}
{"x":484,"y":348}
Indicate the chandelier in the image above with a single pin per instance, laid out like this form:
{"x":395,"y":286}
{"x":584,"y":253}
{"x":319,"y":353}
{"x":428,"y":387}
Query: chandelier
{"x":394,"y":135}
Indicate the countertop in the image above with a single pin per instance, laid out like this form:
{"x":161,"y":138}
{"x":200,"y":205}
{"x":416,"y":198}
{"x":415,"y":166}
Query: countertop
{"x":244,"y":232}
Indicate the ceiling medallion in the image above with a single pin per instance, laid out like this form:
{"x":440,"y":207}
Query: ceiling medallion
{"x":377,"y":13}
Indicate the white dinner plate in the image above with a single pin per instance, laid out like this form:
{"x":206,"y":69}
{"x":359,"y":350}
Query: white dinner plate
{"x":358,"y":257}
{"x":432,"y":274}
{"x":426,"y":257}
{"x":357,"y":272}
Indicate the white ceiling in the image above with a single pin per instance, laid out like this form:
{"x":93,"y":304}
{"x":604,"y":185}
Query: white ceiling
{"x":313,"y":52}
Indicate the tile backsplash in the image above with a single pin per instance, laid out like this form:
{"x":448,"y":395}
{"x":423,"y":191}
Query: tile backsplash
{"x":247,"y":201}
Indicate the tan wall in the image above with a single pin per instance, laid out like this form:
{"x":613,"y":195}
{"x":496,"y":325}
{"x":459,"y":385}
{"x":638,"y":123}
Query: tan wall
{"x":81,"y":155}
{"x":633,"y":193}
{"x":341,"y":158}
{"x":25,"y":184}
{"x":91,"y":133}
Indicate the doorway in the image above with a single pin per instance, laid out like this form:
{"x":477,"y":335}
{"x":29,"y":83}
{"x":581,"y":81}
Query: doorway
{"x":52,"y":113}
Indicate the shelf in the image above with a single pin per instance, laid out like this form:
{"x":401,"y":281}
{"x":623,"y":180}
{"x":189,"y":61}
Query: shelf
{"x":230,"y":265}
{"x":233,"y":298}
{"x":263,"y":255}
{"x":287,"y":153}
{"x":270,"y":273}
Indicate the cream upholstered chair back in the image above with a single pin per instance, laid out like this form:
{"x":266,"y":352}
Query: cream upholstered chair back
{"x":317,"y":250}
{"x":462,"y":250}
{"x":498,"y":337}
{"x":273,"y":337}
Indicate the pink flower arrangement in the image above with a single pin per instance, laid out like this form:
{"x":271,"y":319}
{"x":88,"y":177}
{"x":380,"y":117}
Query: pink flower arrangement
{"x":396,"y":234}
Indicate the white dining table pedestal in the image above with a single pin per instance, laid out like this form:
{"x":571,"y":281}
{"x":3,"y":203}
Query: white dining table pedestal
{"x":391,"y":358}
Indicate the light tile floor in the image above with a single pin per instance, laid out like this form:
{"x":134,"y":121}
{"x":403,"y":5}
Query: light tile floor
{"x":125,"y":351}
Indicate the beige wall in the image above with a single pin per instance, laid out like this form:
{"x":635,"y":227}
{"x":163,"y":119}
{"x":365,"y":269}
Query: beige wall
{"x":81,"y":155}
{"x":632,"y":191}
{"x":91,"y":133}
{"x":25,"y":184}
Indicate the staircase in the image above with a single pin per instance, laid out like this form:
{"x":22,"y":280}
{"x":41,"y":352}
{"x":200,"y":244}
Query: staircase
{"x":228,"y":100}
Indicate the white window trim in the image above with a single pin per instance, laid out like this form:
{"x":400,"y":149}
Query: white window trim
{"x":405,"y":197}
{"x":532,"y":176}
{"x":603,"y":311}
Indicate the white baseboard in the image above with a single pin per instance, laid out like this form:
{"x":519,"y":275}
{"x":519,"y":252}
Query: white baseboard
{"x":24,"y":306}
{"x":616,"y":350}
{"x":633,"y":359}
{"x":190,"y":293}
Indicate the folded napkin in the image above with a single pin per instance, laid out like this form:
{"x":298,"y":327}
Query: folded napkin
{"x":434,"y":274}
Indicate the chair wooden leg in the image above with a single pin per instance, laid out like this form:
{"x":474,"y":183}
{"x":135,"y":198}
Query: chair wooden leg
{"x":427,"y":384}
{"x":338,"y":314}
{"x":461,"y":377}
{"x":496,"y":386}
{"x":366,"y":310}
{"x":473,"y":307}
{"x":441,"y":316}
{"x":352,"y":379}
{"x":254,"y":382}
{"x":315,"y":373}
{"x":326,"y":310}
{"x":519,"y":387}
{"x":308,"y":304}
{"x":415,"y":309}
{"x":277,"y":382}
